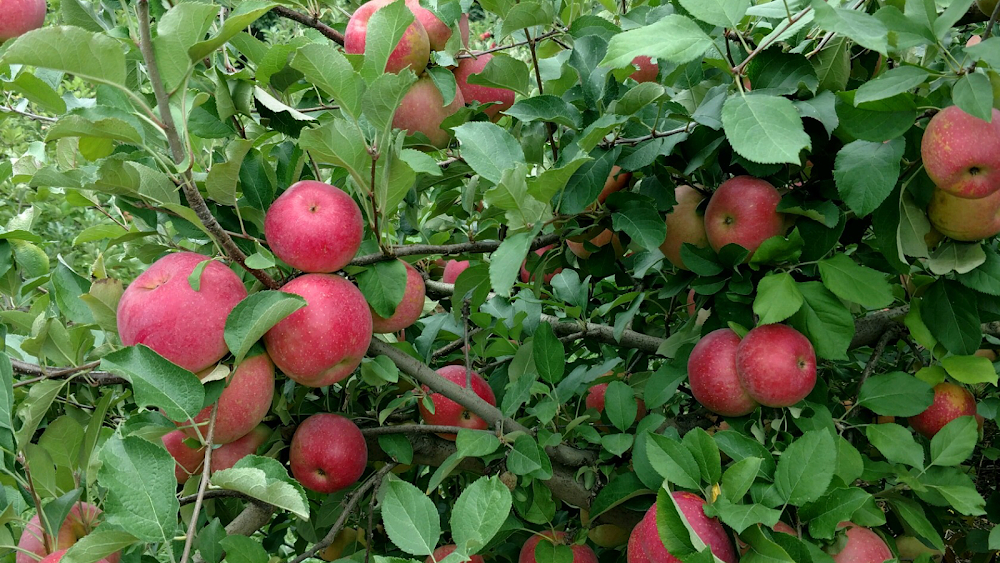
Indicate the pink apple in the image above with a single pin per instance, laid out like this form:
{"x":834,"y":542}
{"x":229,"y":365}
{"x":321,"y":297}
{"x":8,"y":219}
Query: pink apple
{"x":83,"y":517}
{"x":503,"y":97}
{"x":409,"y":309}
{"x":646,"y":69}
{"x":712,"y":375}
{"x":528,"y":277}
{"x":314,"y":227}
{"x":188,"y":461}
{"x":452,"y":269}
{"x":448,"y":412}
{"x":20,"y":17}
{"x":226,"y":456}
{"x":244,"y":402}
{"x":962,"y":218}
{"x":446,"y":550}
{"x":743,"y":211}
{"x":862,"y":546}
{"x":961,"y":153}
{"x":634,"y":552}
{"x":321,"y":343}
{"x":423,"y":109}
{"x":710,"y":531}
{"x":328,"y":453}
{"x":413,"y":50}
{"x":581,"y":553}
{"x":776,"y":365}
{"x":162,"y":311}
{"x":950,"y":402}
{"x":684,"y":224}
{"x":595,"y":400}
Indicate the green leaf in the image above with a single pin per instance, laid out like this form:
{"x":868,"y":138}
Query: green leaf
{"x":970,"y":369}
{"x":157,"y":382}
{"x":739,"y":517}
{"x":895,"y":81}
{"x":209,"y":540}
{"x":479,"y":513}
{"x":853,"y":282}
{"x":824,"y":320}
{"x":912,"y":513}
{"x":955,"y":442}
{"x":90,"y":56}
{"x":265,"y":479}
{"x":706,"y":453}
{"x":806,"y":467}
{"x":397,"y":446}
{"x":642,"y":224}
{"x":839,"y":505}
{"x":738,"y":478}
{"x":673,"y":38}
{"x":622,"y":487}
{"x":951,"y":313}
{"x":139,"y":476}
{"x":475,"y":443}
{"x":724,"y":13}
{"x":987,"y":51}
{"x":383,"y":285}
{"x":866,"y":172}
{"x":503,"y":71}
{"x":506,"y":260}
{"x":952,"y":256}
{"x":549,"y":354}
{"x":764,"y":129}
{"x":525,"y":15}
{"x":528,"y":458}
{"x":239,"y":19}
{"x":895,"y":394}
{"x":862,"y":27}
{"x":224,"y":177}
{"x":330,"y":71}
{"x":673,"y":461}
{"x":177,"y":31}
{"x":778,"y":297}
{"x":780,"y":73}
{"x":896,"y":444}
{"x":241,"y":549}
{"x":385,"y":29}
{"x":964,"y":498}
{"x":98,"y":544}
{"x":254,"y":316}
{"x":410,"y":518}
{"x":620,"y":404}
{"x":547,"y":108}
{"x":67,"y":287}
{"x":488,"y":149}
{"x":32,"y":410}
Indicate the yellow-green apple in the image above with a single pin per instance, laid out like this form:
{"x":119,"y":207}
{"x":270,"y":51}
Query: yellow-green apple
{"x":646,"y":69}
{"x":452,"y":269}
{"x":595,"y":399}
{"x":616,"y":181}
{"x":448,"y":412}
{"x":422,"y":110}
{"x":608,"y":535}
{"x":314,"y":227}
{"x":226,"y":456}
{"x":328,"y":453}
{"x":528,"y":277}
{"x":910,"y":548}
{"x":950,"y":402}
{"x":438,"y":33}
{"x":776,"y":365}
{"x":20,"y":17}
{"x":83,"y":517}
{"x":712,"y":375}
{"x":862,"y":546}
{"x":710,"y":531}
{"x":161,"y":310}
{"x":603,"y":238}
{"x":409,"y":309}
{"x":446,"y":550}
{"x":961,"y":153}
{"x":962,"y":218}
{"x":743,"y":211}
{"x":684,"y":224}
{"x":502,"y":98}
{"x":987,"y":6}
{"x":634,"y":553}
{"x":413,"y":50}
{"x":581,"y":553}
{"x":321,"y":343}
{"x":187,"y":460}
{"x":244,"y":402}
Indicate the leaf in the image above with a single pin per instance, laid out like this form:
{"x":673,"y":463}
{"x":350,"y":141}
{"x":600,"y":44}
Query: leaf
{"x":98,"y":544}
{"x":724,"y":13}
{"x":952,"y":256}
{"x":330,"y":71}
{"x":706,"y":453}
{"x":970,"y":369}
{"x":739,"y":517}
{"x":778,"y":297}
{"x":955,"y":442}
{"x":139,"y":476}
{"x":642,"y":224}
{"x":506,"y":260}
{"x":241,"y":549}
{"x":839,"y":505}
{"x":90,"y":56}
{"x":896,"y":444}
{"x":474,"y":443}
{"x":973,"y":93}
{"x":738,"y":478}
{"x":895,"y":394}
{"x":764,"y":129}
{"x":806,"y":467}
{"x":503,"y":71}
{"x":549,"y":354}
{"x":912,"y":513}
{"x":620,"y":489}
{"x":488,"y":149}
{"x":673,"y":38}
{"x":525,"y":15}
{"x":950,"y":312}
{"x":853,"y":282}
{"x":895,"y":81}
{"x":479,"y":513}
{"x":866,"y":172}
{"x":383,"y":285}
{"x":410,"y":518}
{"x":157,"y":382}
{"x":240,"y":18}
{"x":620,"y":404}
{"x":255,"y":315}
{"x":547,"y":108}
{"x":397,"y":446}
{"x":528,"y":458}
{"x":824,"y":320}
{"x":265,"y":479}
{"x":673,"y":461}
{"x":32,"y":410}
{"x":862,"y":27}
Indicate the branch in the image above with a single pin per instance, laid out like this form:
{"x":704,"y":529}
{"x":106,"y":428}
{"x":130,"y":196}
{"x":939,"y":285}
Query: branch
{"x":654,"y":135}
{"x":992,"y":21}
{"x":738,"y":70}
{"x":546,"y":35}
{"x":446,"y":249}
{"x":94,"y":378}
{"x":310,"y":21}
{"x":42,"y":118}
{"x":894,"y":331}
{"x":868,"y":329}
{"x":206,"y":472}
{"x":413,"y":429}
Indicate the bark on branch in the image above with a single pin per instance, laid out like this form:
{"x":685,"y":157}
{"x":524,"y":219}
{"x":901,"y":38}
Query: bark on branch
{"x":310,"y":21}
{"x":446,"y":249}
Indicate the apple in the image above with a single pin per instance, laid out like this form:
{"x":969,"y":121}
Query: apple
{"x":950,"y":402}
{"x":776,"y":365}
{"x":616,"y":182}
{"x":710,"y":531}
{"x":910,"y":548}
{"x":964,"y":219}
{"x":452,"y":269}
{"x":646,"y":69}
{"x":987,"y":6}
{"x":244,"y":402}
{"x":595,"y":400}
{"x":188,"y":461}
{"x":413,"y":50}
{"x":321,"y":343}
{"x":438,"y":33}
{"x":226,"y":456}
{"x":503,"y":97}
{"x":446,"y":550}
{"x":423,"y":109}
{"x":684,"y":224}
{"x":961,"y":153}
{"x":448,"y":412}
{"x":713,"y":377}
{"x":608,"y":535}
{"x":81,"y":520}
{"x":409,"y":309}
{"x":314,"y":227}
{"x":20,"y":17}
{"x":603,"y":238}
{"x":162,"y":311}
{"x":345,"y":538}
{"x":987,"y":353}
{"x":862,"y":546}
{"x":528,"y":277}
{"x":634,"y":553}
{"x":328,"y":453}
{"x":581,"y":553}
{"x":744,"y":211}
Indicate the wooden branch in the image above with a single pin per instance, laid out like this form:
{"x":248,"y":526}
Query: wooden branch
{"x":631,"y":142}
{"x":206,"y":473}
{"x":310,"y":21}
{"x":868,"y":329}
{"x":93,"y":378}
{"x":446,"y":249}
{"x":413,"y":429}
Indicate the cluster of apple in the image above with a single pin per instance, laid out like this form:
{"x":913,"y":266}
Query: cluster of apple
{"x":83,"y":517}
{"x":961,"y":154}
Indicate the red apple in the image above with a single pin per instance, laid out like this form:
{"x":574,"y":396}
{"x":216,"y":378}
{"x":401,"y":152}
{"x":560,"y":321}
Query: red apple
{"x":581,"y":553}
{"x":603,"y":238}
{"x":413,"y":50}
{"x":438,"y":33}
{"x":503,"y":97}
{"x":188,"y":461}
{"x":646,"y":69}
{"x":634,"y":552}
{"x":964,"y":219}
{"x":528,"y":277}
{"x":863,"y":546}
{"x":422,"y":110}
{"x":776,"y":365}
{"x":744,"y":211}
{"x":321,"y":343}
{"x":328,"y":453}
{"x":162,"y":311}
{"x":684,"y":224}
{"x":20,"y":17}
{"x":710,"y":531}
{"x":452,"y":269}
{"x":314,"y":227}
{"x":595,"y":400}
{"x":950,"y":402}
{"x":448,"y":412}
{"x":446,"y":550}
{"x":83,"y":517}
{"x":961,"y":153}
{"x":226,"y":456}
{"x":409,"y":309}
{"x":244,"y":402}
{"x":712,"y":375}
{"x":616,"y":181}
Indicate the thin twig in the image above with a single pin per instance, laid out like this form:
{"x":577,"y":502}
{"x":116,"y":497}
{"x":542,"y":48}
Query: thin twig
{"x":547,"y":35}
{"x":445,"y":249}
{"x":654,"y":135}
{"x":454,"y":345}
{"x":206,"y":472}
{"x":889,"y":334}
{"x":992,"y":21}
{"x":538,"y":78}
{"x":412,"y":429}
{"x":310,"y":21}
{"x":29,"y":115}
{"x":765,"y":44}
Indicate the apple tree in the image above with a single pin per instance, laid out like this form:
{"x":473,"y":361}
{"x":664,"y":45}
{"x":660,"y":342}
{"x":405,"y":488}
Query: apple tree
{"x":553,"y":281}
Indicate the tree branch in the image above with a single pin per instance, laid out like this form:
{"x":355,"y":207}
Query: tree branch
{"x":654,"y":135}
{"x":310,"y":21}
{"x":446,"y":249}
{"x":413,"y":429}
{"x":94,"y":378}
{"x":206,"y":472}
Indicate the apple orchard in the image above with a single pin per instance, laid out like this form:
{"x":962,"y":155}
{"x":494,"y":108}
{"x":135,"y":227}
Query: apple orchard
{"x":545,"y":281}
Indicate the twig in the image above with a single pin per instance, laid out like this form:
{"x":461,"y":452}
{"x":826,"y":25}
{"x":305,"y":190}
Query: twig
{"x":654,"y":135}
{"x":546,"y":35}
{"x":214,"y":493}
{"x":94,"y":378}
{"x":29,"y":115}
{"x":892,"y":332}
{"x":310,"y":21}
{"x":445,"y":249}
{"x":992,"y":21}
{"x":454,"y":345}
{"x":206,"y":472}
{"x":412,"y":429}
{"x":551,"y":127}
{"x":765,"y":44}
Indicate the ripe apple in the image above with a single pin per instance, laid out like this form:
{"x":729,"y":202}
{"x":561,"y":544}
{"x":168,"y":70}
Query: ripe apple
{"x":964,"y":219}
{"x":409,"y":309}
{"x":710,"y":531}
{"x":162,"y":311}
{"x":413,"y":50}
{"x":226,"y":456}
{"x":20,"y":17}
{"x":684,"y":224}
{"x":744,"y":211}
{"x":503,"y":97}
{"x":321,"y":343}
{"x":776,"y":365}
{"x":712,"y":375}
{"x":452,"y":269}
{"x":314,"y":227}
{"x":581,"y":553}
{"x":950,"y":402}
{"x":961,"y":153}
{"x":83,"y":517}
{"x":448,"y":412}
{"x":862,"y":546}
{"x":634,"y":553}
{"x":188,"y":461}
{"x":422,"y":110}
{"x":646,"y":69}
{"x":438,"y":33}
{"x":328,"y":453}
{"x":986,"y":6}
{"x":603,"y":238}
{"x":595,"y":400}
{"x":446,"y":550}
{"x":528,"y":277}
{"x":244,"y":402}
